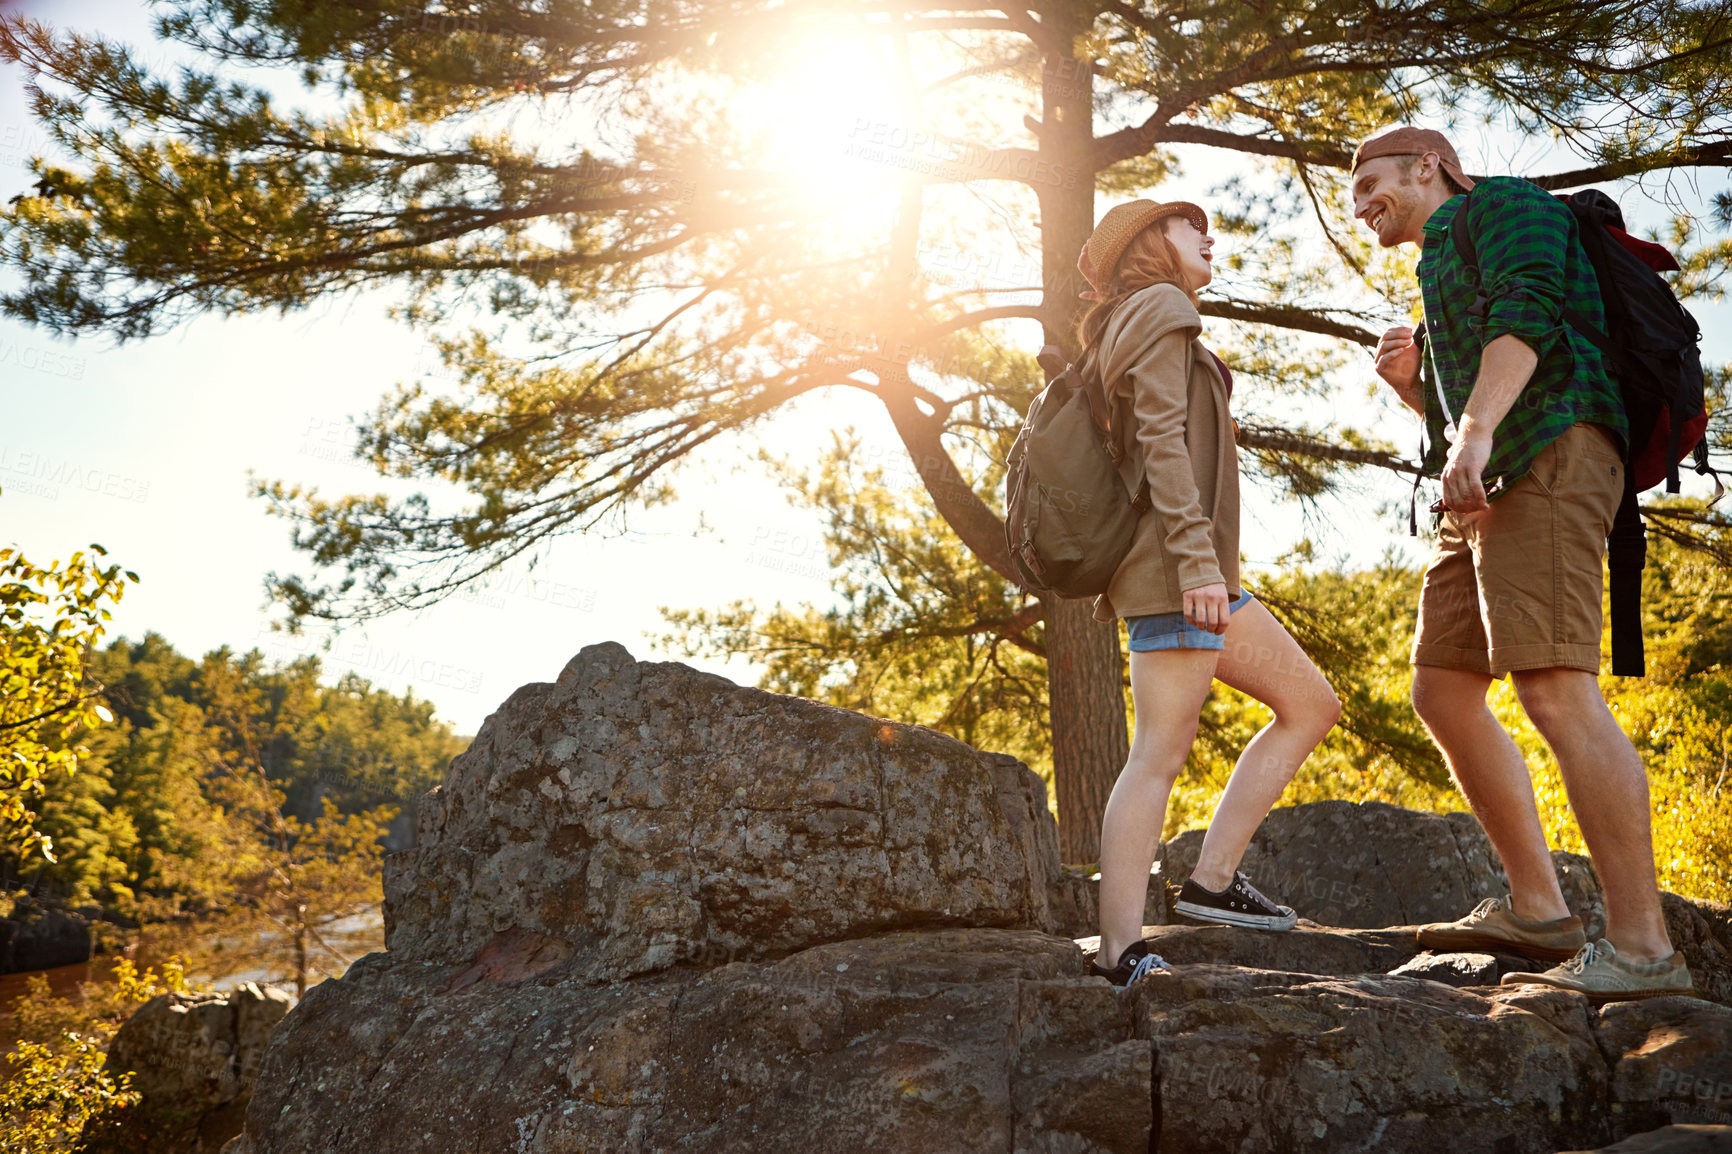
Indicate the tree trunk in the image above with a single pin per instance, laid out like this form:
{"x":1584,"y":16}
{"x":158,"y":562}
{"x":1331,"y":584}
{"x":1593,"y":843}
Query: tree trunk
{"x":1083,"y":665}
{"x":301,"y":956}
{"x":1087,"y":703}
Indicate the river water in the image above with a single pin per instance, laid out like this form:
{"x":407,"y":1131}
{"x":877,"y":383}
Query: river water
{"x":354,"y":936}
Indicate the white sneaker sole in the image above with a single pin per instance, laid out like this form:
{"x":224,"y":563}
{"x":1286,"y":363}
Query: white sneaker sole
{"x":1286,"y":921}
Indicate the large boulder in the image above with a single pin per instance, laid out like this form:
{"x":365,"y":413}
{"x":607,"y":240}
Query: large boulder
{"x":648,"y":815}
{"x":1361,"y":865}
{"x":654,"y":911}
{"x":1670,"y":1061}
{"x":1702,"y":932}
{"x":194,"y":1058}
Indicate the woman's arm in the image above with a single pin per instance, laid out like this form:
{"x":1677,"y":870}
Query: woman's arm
{"x":1160,"y":382}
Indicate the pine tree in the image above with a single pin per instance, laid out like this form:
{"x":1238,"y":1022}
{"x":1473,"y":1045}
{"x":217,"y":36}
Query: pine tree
{"x":665,"y":282}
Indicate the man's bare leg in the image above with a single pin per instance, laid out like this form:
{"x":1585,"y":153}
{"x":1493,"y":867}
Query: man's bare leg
{"x":1493,"y":776}
{"x":1608,"y":791}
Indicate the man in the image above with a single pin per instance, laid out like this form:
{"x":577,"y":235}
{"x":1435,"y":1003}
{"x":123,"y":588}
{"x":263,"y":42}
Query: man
{"x":1526,"y":429}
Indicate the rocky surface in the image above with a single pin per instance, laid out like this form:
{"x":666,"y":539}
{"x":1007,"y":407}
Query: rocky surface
{"x":1309,"y":947}
{"x":653,"y":911}
{"x":1363,"y":866}
{"x":1452,"y":969}
{"x":1257,"y":1060}
{"x":195,"y":1059}
{"x":952,"y":1040}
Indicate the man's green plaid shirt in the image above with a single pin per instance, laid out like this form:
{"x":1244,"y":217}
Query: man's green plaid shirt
{"x":1531,"y":265}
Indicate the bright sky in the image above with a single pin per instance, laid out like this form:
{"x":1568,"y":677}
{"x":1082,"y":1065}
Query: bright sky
{"x":147,"y":449}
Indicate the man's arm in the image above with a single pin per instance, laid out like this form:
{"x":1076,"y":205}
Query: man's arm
{"x":1504,"y":369}
{"x":1521,"y":233}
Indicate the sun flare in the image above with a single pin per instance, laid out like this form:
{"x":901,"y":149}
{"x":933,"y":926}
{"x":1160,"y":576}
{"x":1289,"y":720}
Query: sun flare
{"x":826,"y":121}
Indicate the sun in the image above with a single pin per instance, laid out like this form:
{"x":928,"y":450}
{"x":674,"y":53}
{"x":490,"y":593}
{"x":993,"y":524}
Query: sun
{"x":835,"y":124}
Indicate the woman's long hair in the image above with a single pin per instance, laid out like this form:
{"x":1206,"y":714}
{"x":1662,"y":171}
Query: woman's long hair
{"x":1149,"y":259}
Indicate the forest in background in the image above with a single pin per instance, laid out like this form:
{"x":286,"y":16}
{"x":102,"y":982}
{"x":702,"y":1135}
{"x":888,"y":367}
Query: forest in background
{"x":229,"y":796}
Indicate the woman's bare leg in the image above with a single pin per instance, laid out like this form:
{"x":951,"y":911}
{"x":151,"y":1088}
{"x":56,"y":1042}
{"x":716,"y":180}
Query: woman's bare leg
{"x":1262,"y":660}
{"x":1167,"y":691}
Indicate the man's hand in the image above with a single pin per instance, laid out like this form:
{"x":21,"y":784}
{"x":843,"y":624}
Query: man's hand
{"x":1505,"y":367}
{"x":1206,"y":607}
{"x":1463,"y":491}
{"x":1398,"y":363}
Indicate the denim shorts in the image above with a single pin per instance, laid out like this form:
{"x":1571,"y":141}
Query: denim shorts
{"x":1172,"y":631}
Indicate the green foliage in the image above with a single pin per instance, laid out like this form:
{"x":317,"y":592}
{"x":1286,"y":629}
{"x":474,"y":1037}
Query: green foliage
{"x":216,"y":766}
{"x":57,"y":1085}
{"x":291,"y":880}
{"x":48,"y":618}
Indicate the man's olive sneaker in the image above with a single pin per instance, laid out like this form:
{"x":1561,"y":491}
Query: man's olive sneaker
{"x":1493,"y":926}
{"x":1597,"y":971}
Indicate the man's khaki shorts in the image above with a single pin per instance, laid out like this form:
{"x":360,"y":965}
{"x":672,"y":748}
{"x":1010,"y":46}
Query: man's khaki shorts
{"x":1526,"y":574}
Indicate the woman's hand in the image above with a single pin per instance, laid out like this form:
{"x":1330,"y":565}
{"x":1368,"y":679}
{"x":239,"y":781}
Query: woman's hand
{"x":1206,"y":607}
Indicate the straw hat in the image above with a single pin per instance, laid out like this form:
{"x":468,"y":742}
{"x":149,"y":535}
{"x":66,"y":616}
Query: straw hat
{"x":1101,"y":253}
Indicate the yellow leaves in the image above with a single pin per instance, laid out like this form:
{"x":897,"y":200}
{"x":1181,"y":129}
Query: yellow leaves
{"x":57,"y":1079}
{"x":49,"y":1096}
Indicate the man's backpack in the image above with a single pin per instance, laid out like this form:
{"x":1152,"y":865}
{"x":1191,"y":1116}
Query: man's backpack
{"x":1650,"y":344}
{"x":1068,"y":520}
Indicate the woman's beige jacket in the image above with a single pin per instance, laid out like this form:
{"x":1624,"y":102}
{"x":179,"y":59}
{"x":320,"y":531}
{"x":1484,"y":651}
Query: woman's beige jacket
{"x":1155,"y":367}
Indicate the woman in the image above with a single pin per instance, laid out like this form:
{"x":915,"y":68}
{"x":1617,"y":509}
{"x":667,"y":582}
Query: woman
{"x":1178,"y":588}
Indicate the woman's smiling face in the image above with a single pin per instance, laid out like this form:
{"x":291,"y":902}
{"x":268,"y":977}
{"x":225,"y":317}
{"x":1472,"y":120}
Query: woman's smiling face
{"x":1195,"y":250}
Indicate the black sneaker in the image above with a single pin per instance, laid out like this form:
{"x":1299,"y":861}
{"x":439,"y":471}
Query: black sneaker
{"x":1238,"y":905}
{"x":1135,"y":964}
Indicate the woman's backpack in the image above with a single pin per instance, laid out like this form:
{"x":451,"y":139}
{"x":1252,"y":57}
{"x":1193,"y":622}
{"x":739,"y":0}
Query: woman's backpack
{"x":1068,"y":520}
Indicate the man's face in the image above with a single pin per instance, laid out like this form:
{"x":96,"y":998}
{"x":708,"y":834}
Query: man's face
{"x":1387,"y":199}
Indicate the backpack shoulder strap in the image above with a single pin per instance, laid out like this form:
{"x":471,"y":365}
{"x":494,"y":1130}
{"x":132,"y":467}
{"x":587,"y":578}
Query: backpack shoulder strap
{"x":1461,"y":234}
